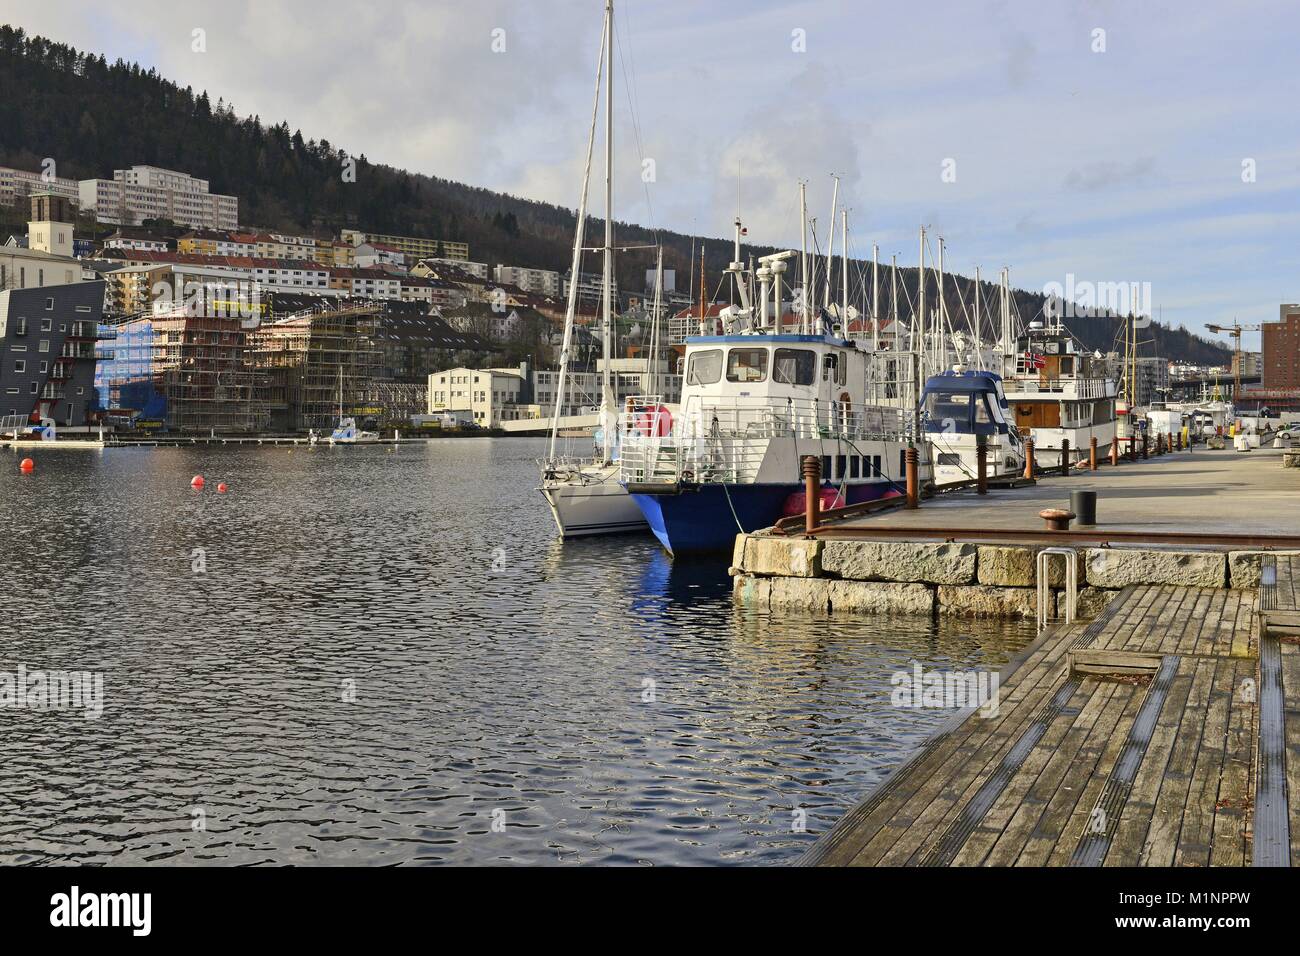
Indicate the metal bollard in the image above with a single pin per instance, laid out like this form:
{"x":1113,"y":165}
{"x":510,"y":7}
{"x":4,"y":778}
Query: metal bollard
{"x":1092,"y":453}
{"x":1065,"y":458}
{"x":1146,"y":449}
{"x":981,"y":465}
{"x":1114,"y":452}
{"x":812,"y":492}
{"x":1029,"y":459}
{"x":913,"y":479}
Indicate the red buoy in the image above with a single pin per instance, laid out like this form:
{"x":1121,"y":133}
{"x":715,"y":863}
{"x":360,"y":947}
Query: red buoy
{"x":222,"y":488}
{"x":197,"y":482}
{"x":27,"y":466}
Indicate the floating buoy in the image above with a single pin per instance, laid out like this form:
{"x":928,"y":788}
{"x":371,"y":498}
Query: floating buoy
{"x":197,"y":482}
{"x":27,"y":466}
{"x":222,"y":488}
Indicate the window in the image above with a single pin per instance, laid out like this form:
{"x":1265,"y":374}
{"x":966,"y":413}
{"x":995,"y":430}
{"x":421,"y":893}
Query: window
{"x":45,"y":345}
{"x":704,"y":368}
{"x":20,"y":366}
{"x":829,"y":362}
{"x":46,"y":324}
{"x":746,"y":365}
{"x":49,"y":306}
{"x":794,"y":367}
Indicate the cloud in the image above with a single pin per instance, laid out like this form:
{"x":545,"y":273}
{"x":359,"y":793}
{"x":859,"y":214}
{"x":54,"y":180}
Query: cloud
{"x":1108,"y":173}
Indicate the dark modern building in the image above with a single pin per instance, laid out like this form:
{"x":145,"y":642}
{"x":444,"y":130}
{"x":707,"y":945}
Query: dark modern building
{"x":47,"y":352}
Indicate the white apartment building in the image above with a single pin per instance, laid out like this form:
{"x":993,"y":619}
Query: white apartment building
{"x":16,"y":185}
{"x":536,"y":281}
{"x":491,"y":395}
{"x":628,"y":378}
{"x":591,"y":287}
{"x":432,"y":291}
{"x":135,"y":243}
{"x":370,"y":283}
{"x":479,"y":269}
{"x":148,"y":192}
{"x":369,"y":255}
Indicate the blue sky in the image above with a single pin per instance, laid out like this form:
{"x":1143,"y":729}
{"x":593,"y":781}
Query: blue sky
{"x":1116,"y":166}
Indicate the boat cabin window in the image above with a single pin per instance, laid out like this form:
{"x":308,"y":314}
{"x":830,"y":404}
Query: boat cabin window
{"x":962,"y":412}
{"x":835,"y":368}
{"x":704,"y":368}
{"x":746,"y":365}
{"x":794,"y":367}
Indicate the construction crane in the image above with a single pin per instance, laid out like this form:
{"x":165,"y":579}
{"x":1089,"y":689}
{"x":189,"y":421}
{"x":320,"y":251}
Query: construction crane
{"x":1235,"y":331}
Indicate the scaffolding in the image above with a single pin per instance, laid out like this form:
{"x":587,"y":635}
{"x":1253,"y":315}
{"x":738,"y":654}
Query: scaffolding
{"x":319,"y":363}
{"x":395,"y":401}
{"x":190,"y":372}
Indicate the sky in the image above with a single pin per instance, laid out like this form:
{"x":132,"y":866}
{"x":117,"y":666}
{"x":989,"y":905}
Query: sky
{"x":1152,"y":142}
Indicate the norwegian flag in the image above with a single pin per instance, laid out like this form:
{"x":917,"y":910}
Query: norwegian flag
{"x":1034,"y":361}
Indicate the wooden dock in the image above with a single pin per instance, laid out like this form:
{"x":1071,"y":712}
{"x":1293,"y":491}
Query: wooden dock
{"x":1165,"y":732}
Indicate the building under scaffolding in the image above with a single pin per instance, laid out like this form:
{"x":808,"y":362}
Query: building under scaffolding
{"x":318,"y":364}
{"x":182,"y":372}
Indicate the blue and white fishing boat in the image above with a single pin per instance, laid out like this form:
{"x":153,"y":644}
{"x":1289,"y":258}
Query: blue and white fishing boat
{"x":756,"y":400}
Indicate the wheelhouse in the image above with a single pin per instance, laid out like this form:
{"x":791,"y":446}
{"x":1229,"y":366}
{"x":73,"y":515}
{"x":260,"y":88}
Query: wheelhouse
{"x":962,"y":404}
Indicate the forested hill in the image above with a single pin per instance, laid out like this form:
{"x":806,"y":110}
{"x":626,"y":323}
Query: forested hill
{"x":92,"y":117}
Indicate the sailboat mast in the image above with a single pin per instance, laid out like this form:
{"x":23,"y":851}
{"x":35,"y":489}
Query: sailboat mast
{"x":654,"y":324}
{"x":844,"y":270}
{"x":919,"y":319}
{"x":803,"y":259}
{"x":875,"y":297}
{"x":579,"y":234}
{"x":606,"y":398}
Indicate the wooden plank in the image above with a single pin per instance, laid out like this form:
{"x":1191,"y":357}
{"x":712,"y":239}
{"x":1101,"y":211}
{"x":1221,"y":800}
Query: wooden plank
{"x":1081,"y":816}
{"x":966,"y":750}
{"x":943,"y":805}
{"x":1191,"y":637}
{"x":1198,"y":815}
{"x":1232,"y":809}
{"x":1060,"y":809}
{"x":1291,"y":732}
{"x":1135,"y":818}
{"x":1008,"y":823}
{"x":1093,"y":662}
{"x":1245,"y":640}
{"x":1167,"y":814}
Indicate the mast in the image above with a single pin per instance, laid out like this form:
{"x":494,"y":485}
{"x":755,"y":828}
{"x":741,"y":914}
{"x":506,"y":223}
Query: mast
{"x":654,"y":325}
{"x":830,"y":243}
{"x":606,"y":396}
{"x":941,"y":320}
{"x":875,"y":297}
{"x":567,"y":343}
{"x":920,"y":298}
{"x":979,"y":355}
{"x":844,"y":270}
{"x":804,"y":320}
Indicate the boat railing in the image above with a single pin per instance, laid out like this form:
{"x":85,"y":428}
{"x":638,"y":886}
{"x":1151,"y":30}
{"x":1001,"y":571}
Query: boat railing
{"x":725,"y":440}
{"x":1067,"y":387}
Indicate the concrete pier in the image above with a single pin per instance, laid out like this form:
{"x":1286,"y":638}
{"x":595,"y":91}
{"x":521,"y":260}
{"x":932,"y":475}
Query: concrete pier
{"x":1202,"y":520}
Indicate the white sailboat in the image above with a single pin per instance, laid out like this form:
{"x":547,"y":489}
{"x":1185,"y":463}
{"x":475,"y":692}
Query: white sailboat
{"x":585,"y":496}
{"x":346,"y":431}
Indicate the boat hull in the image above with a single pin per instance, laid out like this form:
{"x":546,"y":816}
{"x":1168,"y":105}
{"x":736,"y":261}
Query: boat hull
{"x":706,"y":518}
{"x":598,"y":505}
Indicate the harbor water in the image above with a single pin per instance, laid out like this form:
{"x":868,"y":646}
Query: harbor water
{"x":378,"y":655}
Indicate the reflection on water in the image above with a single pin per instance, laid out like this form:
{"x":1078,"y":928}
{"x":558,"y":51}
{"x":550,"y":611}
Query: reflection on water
{"x":385,"y":656}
